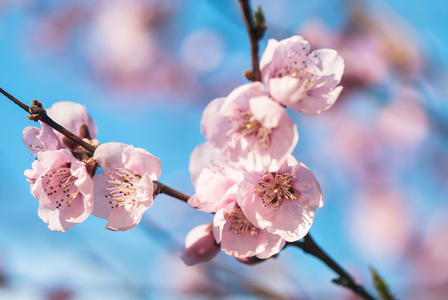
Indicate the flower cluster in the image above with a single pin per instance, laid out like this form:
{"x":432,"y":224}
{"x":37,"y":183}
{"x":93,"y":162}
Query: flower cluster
{"x":261,"y":196}
{"x":63,"y":177}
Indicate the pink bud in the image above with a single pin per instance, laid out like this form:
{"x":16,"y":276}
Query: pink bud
{"x":200,"y":245}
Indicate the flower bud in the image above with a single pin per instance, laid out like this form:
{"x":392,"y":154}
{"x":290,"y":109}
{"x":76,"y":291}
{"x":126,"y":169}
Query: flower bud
{"x":200,"y":245}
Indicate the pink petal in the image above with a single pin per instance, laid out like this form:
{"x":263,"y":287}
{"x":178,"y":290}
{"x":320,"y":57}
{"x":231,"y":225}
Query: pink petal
{"x":267,"y":111}
{"x":320,"y":99}
{"x":141,"y":161}
{"x":214,"y":126}
{"x":307,"y":185}
{"x":203,"y":156}
{"x":238,"y":99}
{"x":109,"y":155}
{"x":288,"y":90}
{"x":210,"y":188}
{"x":102,"y":208}
{"x":331,"y":63}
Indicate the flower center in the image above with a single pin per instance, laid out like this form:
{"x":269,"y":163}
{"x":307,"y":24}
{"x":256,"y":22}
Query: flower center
{"x":60,"y":186}
{"x":244,"y":125}
{"x":239,"y":223}
{"x":296,"y":66}
{"x":273,"y":188}
{"x":123,"y":187}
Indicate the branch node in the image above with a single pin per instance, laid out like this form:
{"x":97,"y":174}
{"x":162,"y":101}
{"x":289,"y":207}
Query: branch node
{"x":249,"y":74}
{"x":158,"y":189}
{"x":36,"y":110}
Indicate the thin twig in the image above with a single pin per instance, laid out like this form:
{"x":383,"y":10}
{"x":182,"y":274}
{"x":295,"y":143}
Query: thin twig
{"x":13,"y":99}
{"x":37,"y":113}
{"x":164,"y":189}
{"x":310,"y":247}
{"x":255,"y":34}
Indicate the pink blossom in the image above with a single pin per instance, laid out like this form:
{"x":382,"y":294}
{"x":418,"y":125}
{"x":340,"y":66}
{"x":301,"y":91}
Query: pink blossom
{"x":74,"y":118}
{"x":306,"y":82}
{"x":212,"y":178}
{"x":253,"y":130}
{"x":124,"y":191}
{"x":37,"y":140}
{"x":241,"y":239}
{"x":283,"y":202}
{"x":200,"y":245}
{"x":63,"y":187}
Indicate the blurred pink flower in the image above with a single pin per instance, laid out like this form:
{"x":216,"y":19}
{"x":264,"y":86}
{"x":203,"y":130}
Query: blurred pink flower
{"x":211,"y":177}
{"x":253,"y":130}
{"x":430,"y":258}
{"x":283,"y":202}
{"x":403,"y":123}
{"x":37,"y":140}
{"x":63,"y":188}
{"x":305,"y":82}
{"x":200,"y":245}
{"x":380,"y":223}
{"x":124,"y":191}
{"x":373,"y":45}
{"x":241,"y":239}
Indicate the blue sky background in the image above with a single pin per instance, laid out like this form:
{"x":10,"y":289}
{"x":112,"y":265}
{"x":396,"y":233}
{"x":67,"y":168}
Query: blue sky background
{"x":88,"y":262}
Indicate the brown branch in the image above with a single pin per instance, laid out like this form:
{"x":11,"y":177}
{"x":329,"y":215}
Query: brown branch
{"x":310,"y":247}
{"x":255,"y":32}
{"x":13,"y":99}
{"x":160,"y":188}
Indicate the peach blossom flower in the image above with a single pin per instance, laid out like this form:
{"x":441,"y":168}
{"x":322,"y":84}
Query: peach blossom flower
{"x":124,"y":191}
{"x":253,"y":130}
{"x":306,"y":82}
{"x":283,"y":202}
{"x":63,"y":187}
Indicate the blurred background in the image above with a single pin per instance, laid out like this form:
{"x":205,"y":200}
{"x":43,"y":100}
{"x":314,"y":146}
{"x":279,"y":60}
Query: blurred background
{"x":146,"y":70}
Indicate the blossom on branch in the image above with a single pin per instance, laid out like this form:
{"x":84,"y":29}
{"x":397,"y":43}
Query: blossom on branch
{"x":63,"y":187}
{"x":306,"y":82}
{"x":253,"y":130}
{"x":124,"y":191}
{"x":283,"y":202}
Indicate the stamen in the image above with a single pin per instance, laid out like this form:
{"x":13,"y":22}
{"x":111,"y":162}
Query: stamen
{"x":244,"y":125}
{"x":60,"y":186}
{"x":122,"y":188}
{"x":273,"y":188}
{"x":239,"y":223}
{"x":296,"y":66}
